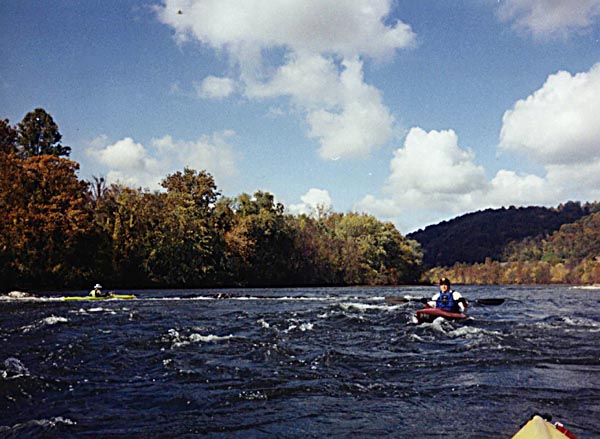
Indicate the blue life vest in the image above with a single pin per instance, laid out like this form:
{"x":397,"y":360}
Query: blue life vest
{"x":446,"y":302}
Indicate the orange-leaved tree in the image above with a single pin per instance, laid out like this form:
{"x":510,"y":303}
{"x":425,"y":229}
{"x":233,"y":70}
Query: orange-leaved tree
{"x":44,"y":222}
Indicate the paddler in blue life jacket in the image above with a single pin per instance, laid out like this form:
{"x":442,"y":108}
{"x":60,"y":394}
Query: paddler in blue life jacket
{"x":97,"y":291}
{"x":448,"y":299}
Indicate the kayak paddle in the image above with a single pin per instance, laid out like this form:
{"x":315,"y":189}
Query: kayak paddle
{"x":397,"y":300}
{"x":491,"y":302}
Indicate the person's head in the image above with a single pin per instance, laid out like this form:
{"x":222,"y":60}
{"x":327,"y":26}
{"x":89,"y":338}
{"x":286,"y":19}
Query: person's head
{"x":97,"y":287}
{"x":444,"y":284}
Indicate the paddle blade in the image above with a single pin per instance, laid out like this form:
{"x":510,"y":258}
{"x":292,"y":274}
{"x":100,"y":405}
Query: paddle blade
{"x":396,"y":300}
{"x":491,"y":302}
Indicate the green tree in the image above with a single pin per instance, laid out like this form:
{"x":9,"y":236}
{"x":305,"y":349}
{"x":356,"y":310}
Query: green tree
{"x":186,"y":245}
{"x":8,"y":137}
{"x":38,"y":135}
{"x":126,"y":220}
{"x":260,"y":242}
{"x":375,"y":252}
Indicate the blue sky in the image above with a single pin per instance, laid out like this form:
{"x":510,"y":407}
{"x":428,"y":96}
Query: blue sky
{"x":413,"y":111}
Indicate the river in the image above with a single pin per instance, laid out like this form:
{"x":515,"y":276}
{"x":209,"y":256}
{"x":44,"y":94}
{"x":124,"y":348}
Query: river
{"x":297,"y":363}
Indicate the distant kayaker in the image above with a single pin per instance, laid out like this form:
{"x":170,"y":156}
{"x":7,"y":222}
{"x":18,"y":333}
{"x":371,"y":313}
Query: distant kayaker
{"x":97,"y":291}
{"x":448,"y":299}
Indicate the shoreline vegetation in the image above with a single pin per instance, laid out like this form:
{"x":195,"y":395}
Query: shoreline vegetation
{"x":57,"y":231}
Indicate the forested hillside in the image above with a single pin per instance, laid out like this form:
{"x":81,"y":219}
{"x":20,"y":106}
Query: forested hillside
{"x":473,"y":237}
{"x":570,"y":255}
{"x":573,"y":243}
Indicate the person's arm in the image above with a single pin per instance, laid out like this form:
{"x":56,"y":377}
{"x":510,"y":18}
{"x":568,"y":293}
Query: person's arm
{"x":433,"y":302}
{"x":462,"y":302}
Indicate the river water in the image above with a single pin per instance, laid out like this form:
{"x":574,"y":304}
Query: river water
{"x":297,"y":363}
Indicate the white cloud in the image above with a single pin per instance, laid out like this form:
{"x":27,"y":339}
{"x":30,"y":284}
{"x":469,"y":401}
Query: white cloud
{"x":215,"y":88}
{"x":126,"y":162}
{"x":550,"y":17}
{"x":348,"y":28}
{"x":558,"y":127}
{"x":559,"y":123}
{"x":346,"y":115}
{"x":212,"y":153}
{"x":132,"y":164}
{"x":577,"y":182}
{"x":313,"y":201}
{"x":509,"y":188}
{"x":432,"y":164}
{"x":361,"y":124}
{"x":433,"y":179}
{"x":126,"y":155}
{"x":310,"y":80}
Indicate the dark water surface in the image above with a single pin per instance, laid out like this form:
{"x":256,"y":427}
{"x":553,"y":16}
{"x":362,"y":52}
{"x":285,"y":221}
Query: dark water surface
{"x":296,"y":363}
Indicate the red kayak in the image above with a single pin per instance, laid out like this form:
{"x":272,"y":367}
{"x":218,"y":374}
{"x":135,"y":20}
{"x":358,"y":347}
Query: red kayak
{"x":428,"y":315}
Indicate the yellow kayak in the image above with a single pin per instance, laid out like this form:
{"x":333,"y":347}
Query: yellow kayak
{"x":539,"y":428}
{"x":109,"y":297}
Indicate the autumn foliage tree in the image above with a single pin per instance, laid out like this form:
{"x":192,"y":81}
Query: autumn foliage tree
{"x":259,"y":241}
{"x":58,"y":231}
{"x":45,"y":219}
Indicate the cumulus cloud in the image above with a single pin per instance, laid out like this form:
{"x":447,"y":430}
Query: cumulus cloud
{"x":544,"y":18}
{"x":314,"y":201}
{"x":432,"y":163}
{"x":133,"y":164}
{"x":127,"y":162}
{"x":360,"y":122}
{"x":324,"y":44}
{"x":432,"y":178}
{"x":509,"y":188}
{"x":215,"y":88}
{"x":320,"y":26}
{"x":559,"y":123}
{"x":581,"y":181}
{"x":212,"y":153}
{"x":310,"y":80}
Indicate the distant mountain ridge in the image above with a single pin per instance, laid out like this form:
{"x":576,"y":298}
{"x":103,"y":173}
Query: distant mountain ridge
{"x":473,"y":237}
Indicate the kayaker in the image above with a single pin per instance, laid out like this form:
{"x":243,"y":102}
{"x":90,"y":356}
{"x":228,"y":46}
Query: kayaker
{"x":97,"y":291}
{"x":448,"y":299}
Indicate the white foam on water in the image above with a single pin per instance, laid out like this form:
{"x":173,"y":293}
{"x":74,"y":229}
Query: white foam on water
{"x":53,"y":320}
{"x":573,"y":321}
{"x":253,"y":395}
{"x":178,"y":340}
{"x":168,"y":299}
{"x":44,"y":423}
{"x":47,"y":321}
{"x":263,"y":323}
{"x":307,"y":326}
{"x":196,"y":338}
{"x":6,"y":298}
{"x":439,"y":324}
{"x":13,"y":368}
{"x":347,"y":306}
{"x":466,"y":331}
{"x":100,"y":309}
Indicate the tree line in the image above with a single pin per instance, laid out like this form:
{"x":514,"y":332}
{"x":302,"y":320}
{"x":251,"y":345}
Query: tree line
{"x":475,"y":236}
{"x":59,"y":232}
